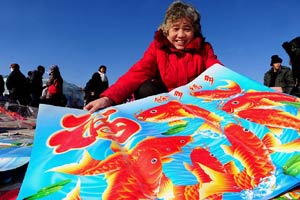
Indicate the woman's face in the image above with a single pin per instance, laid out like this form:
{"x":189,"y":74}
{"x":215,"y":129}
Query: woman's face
{"x":180,"y":33}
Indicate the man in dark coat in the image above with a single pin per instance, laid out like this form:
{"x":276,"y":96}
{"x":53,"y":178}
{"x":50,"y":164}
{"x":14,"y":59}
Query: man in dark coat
{"x":96,"y":85}
{"x":17,"y":85}
{"x":279,"y":77}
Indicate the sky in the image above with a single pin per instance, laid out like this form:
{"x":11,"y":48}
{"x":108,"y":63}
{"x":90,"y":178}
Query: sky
{"x":81,"y":35}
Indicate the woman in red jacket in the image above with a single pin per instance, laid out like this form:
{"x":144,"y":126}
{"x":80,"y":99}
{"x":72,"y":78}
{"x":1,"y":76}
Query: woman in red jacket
{"x":54,"y":89}
{"x":177,"y":55}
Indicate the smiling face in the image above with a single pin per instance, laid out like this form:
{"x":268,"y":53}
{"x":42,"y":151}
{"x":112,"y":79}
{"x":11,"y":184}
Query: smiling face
{"x":180,"y":33}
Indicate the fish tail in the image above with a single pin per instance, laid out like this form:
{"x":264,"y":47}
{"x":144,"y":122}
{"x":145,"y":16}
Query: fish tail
{"x":85,"y":163}
{"x":271,"y":141}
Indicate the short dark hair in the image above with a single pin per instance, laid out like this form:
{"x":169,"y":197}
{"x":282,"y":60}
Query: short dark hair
{"x":102,"y":66}
{"x":41,"y":68}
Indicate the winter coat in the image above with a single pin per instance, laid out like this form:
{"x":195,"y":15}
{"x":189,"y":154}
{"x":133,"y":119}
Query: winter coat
{"x":36,"y":83}
{"x":284,"y":79}
{"x":54,"y":91}
{"x":2,"y":88}
{"x":18,"y":87}
{"x":175,"y":67}
{"x":94,"y":87}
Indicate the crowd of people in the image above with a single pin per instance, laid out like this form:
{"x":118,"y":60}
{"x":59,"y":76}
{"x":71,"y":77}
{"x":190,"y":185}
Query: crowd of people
{"x":178,"y":54}
{"x":30,"y":91}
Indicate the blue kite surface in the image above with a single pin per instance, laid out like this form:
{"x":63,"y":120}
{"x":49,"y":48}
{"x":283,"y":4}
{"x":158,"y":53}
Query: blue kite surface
{"x":222,"y":136}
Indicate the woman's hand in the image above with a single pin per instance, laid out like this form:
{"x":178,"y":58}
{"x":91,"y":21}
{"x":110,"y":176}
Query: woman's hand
{"x":97,"y":104}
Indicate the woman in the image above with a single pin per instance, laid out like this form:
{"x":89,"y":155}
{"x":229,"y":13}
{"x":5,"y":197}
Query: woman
{"x":54,"y":89}
{"x":177,"y":55}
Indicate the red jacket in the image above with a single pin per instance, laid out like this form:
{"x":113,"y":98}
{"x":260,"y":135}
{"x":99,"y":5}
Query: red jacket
{"x":176,"y":68}
{"x":55,"y":88}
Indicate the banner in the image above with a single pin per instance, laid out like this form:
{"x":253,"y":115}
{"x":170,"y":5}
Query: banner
{"x":222,"y":136}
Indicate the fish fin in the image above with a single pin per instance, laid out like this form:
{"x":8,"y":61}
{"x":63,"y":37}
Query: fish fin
{"x":227,"y":149}
{"x":167,"y":160}
{"x":116,"y":147}
{"x":271,"y":141}
{"x":215,"y":117}
{"x":251,"y":90}
{"x":198,"y":173}
{"x":188,"y":166}
{"x":211,"y":127}
{"x":231,"y":168}
{"x":165,"y":188}
{"x":274,"y":130}
{"x":270,"y":102}
{"x":74,"y":193}
{"x":86,"y":162}
{"x":177,"y":122}
{"x":220,"y":183}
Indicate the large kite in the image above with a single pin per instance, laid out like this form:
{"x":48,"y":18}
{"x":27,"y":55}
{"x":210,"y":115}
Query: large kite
{"x":222,"y":136}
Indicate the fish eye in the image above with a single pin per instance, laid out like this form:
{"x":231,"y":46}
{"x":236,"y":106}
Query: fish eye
{"x":153,"y":111}
{"x":153,"y":160}
{"x":182,"y":141}
{"x":246,"y":130}
{"x":235,"y":102}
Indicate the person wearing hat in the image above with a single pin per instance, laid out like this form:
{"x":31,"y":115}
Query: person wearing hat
{"x":279,"y":78}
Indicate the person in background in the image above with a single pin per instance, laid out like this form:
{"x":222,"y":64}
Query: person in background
{"x":29,"y":74}
{"x":17,"y":85}
{"x":36,"y":85}
{"x":279,"y":77}
{"x":2,"y":89}
{"x":292,"y":48}
{"x":96,"y":85}
{"x":54,"y":89}
{"x":177,"y":55}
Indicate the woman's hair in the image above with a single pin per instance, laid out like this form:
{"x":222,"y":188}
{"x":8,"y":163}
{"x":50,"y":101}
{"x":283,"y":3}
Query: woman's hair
{"x":178,"y":10}
{"x":54,"y":73}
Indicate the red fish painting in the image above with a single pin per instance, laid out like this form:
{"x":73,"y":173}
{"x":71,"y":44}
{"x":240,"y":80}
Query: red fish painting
{"x":222,"y":92}
{"x":213,"y":177}
{"x":257,"y":100}
{"x":174,"y":111}
{"x":273,"y":119}
{"x":251,"y":152}
{"x":125,"y":171}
